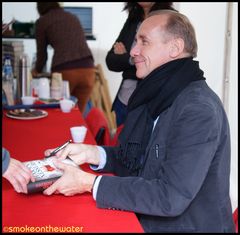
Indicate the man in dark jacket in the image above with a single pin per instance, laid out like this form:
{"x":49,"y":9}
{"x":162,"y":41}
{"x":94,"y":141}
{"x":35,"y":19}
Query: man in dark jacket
{"x":172,"y":164}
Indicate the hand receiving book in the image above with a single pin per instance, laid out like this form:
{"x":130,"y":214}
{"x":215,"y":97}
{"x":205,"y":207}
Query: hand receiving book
{"x":45,"y":173}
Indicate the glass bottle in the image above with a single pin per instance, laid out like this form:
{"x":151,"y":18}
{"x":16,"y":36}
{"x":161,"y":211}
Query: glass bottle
{"x":8,"y":80}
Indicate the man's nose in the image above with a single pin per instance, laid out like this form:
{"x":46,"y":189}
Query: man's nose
{"x":134,"y":51}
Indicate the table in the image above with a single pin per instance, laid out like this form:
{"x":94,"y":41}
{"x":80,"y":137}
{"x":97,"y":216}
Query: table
{"x":27,"y":140}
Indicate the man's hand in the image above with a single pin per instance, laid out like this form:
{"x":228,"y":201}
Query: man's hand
{"x":73,"y":181}
{"x":79,"y":153}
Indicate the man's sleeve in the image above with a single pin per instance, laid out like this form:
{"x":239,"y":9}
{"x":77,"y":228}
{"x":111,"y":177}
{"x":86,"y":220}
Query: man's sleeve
{"x":5,"y":160}
{"x":103,"y":159}
{"x":178,"y":178}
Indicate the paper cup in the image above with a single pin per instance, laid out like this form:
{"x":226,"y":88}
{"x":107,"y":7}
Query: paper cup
{"x":28,"y":100}
{"x":78,"y":133}
{"x":44,"y":88}
{"x":66,"y":105}
{"x":56,"y":92}
{"x":66,"y":90}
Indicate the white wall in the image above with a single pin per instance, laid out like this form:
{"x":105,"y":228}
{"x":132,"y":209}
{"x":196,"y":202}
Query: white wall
{"x":209,"y":20}
{"x":210,"y":29}
{"x":108,"y":19}
{"x":233,"y":107}
{"x":21,"y":11}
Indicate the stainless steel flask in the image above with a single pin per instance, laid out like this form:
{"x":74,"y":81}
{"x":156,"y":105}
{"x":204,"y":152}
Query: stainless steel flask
{"x":23,"y":78}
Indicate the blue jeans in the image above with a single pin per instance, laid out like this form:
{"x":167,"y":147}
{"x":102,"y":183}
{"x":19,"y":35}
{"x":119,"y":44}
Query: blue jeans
{"x":120,"y":110}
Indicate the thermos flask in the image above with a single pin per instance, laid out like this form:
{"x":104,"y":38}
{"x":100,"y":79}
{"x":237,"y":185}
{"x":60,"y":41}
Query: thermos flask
{"x":23,"y":78}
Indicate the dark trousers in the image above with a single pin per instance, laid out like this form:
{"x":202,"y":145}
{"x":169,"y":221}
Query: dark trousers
{"x":120,"y":110}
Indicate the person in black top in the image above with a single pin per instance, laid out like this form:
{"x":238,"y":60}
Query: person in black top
{"x":118,"y":58}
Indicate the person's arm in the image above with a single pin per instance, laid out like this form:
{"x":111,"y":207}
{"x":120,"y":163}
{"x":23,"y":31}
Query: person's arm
{"x":79,"y":153}
{"x":16,"y":172}
{"x":75,"y":180}
{"x":41,"y":41}
{"x":120,"y":62}
{"x":178,"y":178}
{"x":102,"y":161}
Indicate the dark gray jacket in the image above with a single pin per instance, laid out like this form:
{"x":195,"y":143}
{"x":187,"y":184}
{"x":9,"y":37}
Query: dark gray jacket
{"x":184,"y":184}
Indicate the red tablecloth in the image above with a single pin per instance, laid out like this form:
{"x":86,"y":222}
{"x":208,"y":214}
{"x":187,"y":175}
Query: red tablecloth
{"x":27,"y":140}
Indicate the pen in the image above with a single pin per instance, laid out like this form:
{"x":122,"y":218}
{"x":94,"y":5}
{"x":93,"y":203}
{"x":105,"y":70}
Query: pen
{"x":58,"y":149}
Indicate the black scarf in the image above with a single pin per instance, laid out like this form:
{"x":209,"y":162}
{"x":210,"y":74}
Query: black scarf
{"x":153,"y":95}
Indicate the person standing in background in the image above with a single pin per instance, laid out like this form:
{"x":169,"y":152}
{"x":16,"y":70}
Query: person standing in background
{"x":72,"y":56}
{"x":118,"y":58}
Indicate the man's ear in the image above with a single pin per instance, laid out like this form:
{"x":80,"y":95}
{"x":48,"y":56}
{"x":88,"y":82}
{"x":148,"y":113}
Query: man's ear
{"x":176,"y":47}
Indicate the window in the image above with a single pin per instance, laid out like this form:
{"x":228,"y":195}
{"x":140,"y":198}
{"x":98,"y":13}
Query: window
{"x":84,"y":14}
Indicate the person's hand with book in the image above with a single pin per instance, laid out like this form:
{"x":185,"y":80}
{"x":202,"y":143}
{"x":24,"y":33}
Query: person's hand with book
{"x":73,"y":181}
{"x":18,"y":175}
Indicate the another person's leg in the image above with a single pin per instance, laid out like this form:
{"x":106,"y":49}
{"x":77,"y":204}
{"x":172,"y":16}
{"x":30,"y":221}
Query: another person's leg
{"x":81,"y":82}
{"x":120,"y":111}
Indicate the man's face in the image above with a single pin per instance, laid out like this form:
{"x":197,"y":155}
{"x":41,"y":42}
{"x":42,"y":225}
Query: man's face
{"x":150,"y":50}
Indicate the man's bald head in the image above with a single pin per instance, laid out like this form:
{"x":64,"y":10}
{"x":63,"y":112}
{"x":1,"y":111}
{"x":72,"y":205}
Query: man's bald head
{"x":175,"y":25}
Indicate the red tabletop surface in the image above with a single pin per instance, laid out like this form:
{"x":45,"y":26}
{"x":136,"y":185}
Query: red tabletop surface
{"x":27,"y":140}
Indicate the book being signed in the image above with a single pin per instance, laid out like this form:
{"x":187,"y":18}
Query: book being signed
{"x":45,"y":173}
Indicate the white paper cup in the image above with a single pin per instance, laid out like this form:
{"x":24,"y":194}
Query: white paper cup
{"x":66,"y":105}
{"x":34,"y":86}
{"x":44,"y":88}
{"x":56,"y":93}
{"x":28,"y":100}
{"x":66,"y":90}
{"x":78,"y":133}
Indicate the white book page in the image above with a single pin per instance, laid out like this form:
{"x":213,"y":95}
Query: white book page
{"x":45,"y":168}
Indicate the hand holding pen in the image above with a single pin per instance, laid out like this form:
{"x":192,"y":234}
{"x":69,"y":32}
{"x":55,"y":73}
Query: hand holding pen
{"x":58,"y":149}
